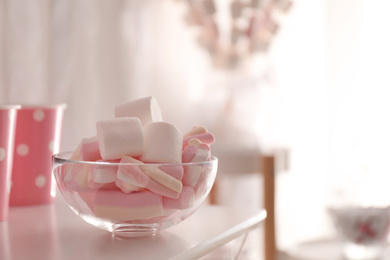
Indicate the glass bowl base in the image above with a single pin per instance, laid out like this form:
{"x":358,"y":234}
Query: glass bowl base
{"x":134,"y":230}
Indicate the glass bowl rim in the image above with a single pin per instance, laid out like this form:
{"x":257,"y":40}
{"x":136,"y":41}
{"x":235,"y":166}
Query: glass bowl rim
{"x":59,"y":158}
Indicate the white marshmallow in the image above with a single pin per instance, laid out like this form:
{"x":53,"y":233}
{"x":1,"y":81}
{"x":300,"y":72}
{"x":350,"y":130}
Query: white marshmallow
{"x":163,"y":143}
{"x":102,"y":174}
{"x":120,"y":136}
{"x":146,"y":109}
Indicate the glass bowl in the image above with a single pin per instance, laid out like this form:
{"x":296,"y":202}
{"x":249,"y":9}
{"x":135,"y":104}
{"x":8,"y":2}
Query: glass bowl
{"x":133,"y":200}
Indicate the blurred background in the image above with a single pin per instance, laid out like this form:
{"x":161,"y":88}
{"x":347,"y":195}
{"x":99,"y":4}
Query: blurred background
{"x":318,"y":87}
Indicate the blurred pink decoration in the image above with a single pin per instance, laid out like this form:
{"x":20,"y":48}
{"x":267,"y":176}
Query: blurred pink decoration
{"x":234,"y":30}
{"x":7,"y":134}
{"x":37,"y":138}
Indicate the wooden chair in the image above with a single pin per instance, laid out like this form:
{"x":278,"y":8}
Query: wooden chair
{"x":267,"y":169}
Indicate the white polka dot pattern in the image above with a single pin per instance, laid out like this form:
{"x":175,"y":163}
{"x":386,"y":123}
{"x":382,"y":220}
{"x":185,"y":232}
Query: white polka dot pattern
{"x":2,"y":153}
{"x":39,"y":115}
{"x":22,"y":149}
{"x":35,"y":141}
{"x":40,"y":181}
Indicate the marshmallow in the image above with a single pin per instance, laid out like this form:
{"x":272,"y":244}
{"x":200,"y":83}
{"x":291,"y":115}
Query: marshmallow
{"x":163,"y":143}
{"x":76,"y":156}
{"x":152,"y":178}
{"x":146,"y":109}
{"x":102,"y":173}
{"x":162,"y":177}
{"x":76,"y":175}
{"x":116,"y":205}
{"x":129,"y":172}
{"x":89,"y":149}
{"x":120,"y":136}
{"x":195,"y":151}
{"x":127,"y":187}
{"x":161,"y":189}
{"x":86,"y":200}
{"x":185,"y":200}
{"x":77,"y":178}
{"x":206,"y":138}
{"x":201,"y":187}
{"x":173,"y":170}
{"x":196,"y":130}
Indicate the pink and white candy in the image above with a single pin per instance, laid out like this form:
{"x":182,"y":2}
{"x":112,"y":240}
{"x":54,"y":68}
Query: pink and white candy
{"x":120,"y":136}
{"x":195,"y":151}
{"x":163,"y":143}
{"x":116,"y":205}
{"x":132,"y":171}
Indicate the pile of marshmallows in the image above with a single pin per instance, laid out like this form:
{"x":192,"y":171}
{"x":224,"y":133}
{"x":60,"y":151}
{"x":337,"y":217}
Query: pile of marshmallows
{"x":133,"y":190}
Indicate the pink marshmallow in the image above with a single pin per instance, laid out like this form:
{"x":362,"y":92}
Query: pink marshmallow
{"x":195,"y":151}
{"x":202,"y":184}
{"x":173,"y":170}
{"x":161,"y":189}
{"x":162,"y":177}
{"x":76,"y":156}
{"x":120,"y":136}
{"x":77,"y":177}
{"x":130,"y":172}
{"x":163,"y":143}
{"x":195,"y":130}
{"x":146,"y":109}
{"x":89,"y":149}
{"x":86,"y":198}
{"x":185,"y":200}
{"x":151,"y":178}
{"x":206,"y":138}
{"x":127,"y":187}
{"x":116,"y":205}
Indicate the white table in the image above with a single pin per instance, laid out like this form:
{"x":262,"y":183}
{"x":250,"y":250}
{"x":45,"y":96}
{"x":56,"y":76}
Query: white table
{"x":55,"y":232}
{"x":322,"y":249}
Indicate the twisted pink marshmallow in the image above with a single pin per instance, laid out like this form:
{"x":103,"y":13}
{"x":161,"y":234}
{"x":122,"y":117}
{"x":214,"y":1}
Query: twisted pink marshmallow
{"x":127,"y":187}
{"x":116,"y":205}
{"x":163,"y":143}
{"x":149,"y":177}
{"x":146,"y":109}
{"x":195,"y":151}
{"x":196,"y":130}
{"x":206,"y":138}
{"x":120,"y":136}
{"x":77,"y":177}
{"x":185,"y":200}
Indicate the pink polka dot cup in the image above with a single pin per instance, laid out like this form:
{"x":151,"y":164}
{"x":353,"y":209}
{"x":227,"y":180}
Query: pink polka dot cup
{"x":37,"y":138}
{"x":7,"y":134}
